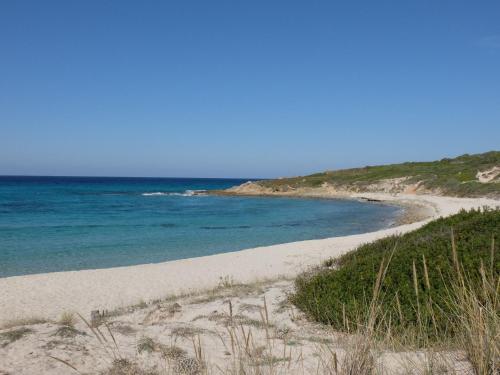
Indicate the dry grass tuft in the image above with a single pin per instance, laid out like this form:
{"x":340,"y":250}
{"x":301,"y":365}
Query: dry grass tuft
{"x":477,"y":313}
{"x":146,"y":344}
{"x":9,"y":337}
{"x":68,"y":332}
{"x":23,"y":322}
{"x":67,"y":319}
{"x":172,"y":352}
{"x":359,"y":358}
{"x":126,"y":367}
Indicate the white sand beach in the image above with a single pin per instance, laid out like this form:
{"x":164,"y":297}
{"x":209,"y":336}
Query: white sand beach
{"x":48,"y":295}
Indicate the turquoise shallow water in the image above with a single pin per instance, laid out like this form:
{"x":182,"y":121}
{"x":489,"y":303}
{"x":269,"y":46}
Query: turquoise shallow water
{"x":71,"y":223}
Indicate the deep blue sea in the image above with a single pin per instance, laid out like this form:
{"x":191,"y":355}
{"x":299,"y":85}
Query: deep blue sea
{"x":72,"y":223}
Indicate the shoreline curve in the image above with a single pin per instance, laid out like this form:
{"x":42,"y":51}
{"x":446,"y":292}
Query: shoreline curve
{"x":47,"y":295}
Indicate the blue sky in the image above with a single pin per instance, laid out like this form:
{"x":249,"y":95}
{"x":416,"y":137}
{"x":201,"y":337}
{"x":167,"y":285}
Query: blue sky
{"x":244,"y":88}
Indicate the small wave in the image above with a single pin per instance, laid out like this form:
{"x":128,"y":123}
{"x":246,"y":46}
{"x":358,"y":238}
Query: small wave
{"x":187,"y":193}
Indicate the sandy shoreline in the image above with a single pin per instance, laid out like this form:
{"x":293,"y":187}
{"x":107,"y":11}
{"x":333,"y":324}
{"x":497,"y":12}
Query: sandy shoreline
{"x":48,"y":295}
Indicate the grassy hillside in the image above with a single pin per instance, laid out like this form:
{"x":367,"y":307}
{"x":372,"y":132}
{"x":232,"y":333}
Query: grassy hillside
{"x":415,"y":289}
{"x":455,"y":176}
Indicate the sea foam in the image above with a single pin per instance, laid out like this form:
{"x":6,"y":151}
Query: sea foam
{"x":187,"y":193}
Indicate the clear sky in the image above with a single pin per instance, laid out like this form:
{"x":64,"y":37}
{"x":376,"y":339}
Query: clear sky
{"x":244,"y":88}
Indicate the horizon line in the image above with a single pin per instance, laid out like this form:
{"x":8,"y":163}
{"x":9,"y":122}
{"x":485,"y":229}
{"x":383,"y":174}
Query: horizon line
{"x":100,"y":176}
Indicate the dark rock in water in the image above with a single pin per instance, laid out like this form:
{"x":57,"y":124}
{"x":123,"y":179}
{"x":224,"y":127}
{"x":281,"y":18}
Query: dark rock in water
{"x":370,"y":199}
{"x":198,"y":192}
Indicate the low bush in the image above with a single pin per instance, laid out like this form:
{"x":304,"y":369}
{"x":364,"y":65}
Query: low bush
{"x":422,"y":266}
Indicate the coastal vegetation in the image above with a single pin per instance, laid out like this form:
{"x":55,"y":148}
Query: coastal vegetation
{"x":466,"y":175}
{"x":438,"y":285}
{"x":10,"y":336}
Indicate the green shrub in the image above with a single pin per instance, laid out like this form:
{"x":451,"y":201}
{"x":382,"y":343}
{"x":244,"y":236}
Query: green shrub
{"x":340,"y":296}
{"x":455,"y":177}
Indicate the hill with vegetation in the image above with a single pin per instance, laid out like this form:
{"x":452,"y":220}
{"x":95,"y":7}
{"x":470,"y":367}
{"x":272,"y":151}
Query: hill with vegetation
{"x":412,"y":276}
{"x":466,"y":175}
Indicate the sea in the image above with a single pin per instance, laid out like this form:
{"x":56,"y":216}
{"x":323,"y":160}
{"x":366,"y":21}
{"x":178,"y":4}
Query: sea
{"x":50,"y":224}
